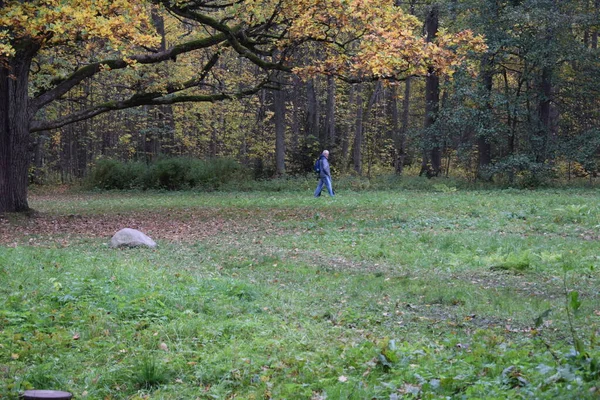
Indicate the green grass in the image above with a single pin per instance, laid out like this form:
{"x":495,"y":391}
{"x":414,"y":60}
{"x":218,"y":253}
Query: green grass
{"x":371,"y":295}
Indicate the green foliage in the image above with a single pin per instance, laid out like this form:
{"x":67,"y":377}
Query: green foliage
{"x":584,"y":149}
{"x":168,"y":173}
{"x":149,"y":373}
{"x":112,"y":174}
{"x":519,"y":171}
{"x":514,"y":262}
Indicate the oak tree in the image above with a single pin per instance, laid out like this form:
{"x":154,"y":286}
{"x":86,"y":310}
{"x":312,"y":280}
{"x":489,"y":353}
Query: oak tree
{"x":50,"y":47}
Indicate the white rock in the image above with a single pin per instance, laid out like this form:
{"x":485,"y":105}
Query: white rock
{"x":131,"y":238}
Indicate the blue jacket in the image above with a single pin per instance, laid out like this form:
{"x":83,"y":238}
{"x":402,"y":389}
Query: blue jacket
{"x":324,"y":167}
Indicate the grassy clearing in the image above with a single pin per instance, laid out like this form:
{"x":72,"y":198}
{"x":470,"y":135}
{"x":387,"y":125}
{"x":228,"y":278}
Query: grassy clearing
{"x":385,"y":295}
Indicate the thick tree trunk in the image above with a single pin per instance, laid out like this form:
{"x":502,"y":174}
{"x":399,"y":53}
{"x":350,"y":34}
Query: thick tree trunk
{"x":14,"y":130}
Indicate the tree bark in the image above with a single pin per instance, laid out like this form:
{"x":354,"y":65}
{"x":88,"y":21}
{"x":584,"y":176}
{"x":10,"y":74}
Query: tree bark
{"x":330,"y":114}
{"x":401,"y":139}
{"x":14,"y":128}
{"x":432,"y":156}
{"x":279,"y":116}
{"x":594,"y":43}
{"x":545,"y":114}
{"x":312,"y":110}
{"x":358,"y":132}
{"x":484,"y":146}
{"x":295,"y":118}
{"x":165,"y":120}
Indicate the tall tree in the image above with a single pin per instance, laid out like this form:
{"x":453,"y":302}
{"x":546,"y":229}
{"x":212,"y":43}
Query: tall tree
{"x":279,"y":112}
{"x":74,"y":34}
{"x":432,"y":154}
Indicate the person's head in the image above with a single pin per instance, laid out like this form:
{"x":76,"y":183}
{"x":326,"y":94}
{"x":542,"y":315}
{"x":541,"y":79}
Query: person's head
{"x":326,"y":153}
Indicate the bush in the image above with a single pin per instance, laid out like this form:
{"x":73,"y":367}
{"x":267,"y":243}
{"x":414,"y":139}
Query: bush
{"x":111,"y":174}
{"x":176,"y":173}
{"x":214,"y":173}
{"x":519,"y":171}
{"x":173,"y":173}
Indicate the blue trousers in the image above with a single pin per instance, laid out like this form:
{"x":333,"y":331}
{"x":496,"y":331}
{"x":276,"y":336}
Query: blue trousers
{"x":326,"y":180}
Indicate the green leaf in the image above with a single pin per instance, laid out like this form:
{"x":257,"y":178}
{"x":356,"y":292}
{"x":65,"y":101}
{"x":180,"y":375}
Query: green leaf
{"x":540,"y":319}
{"x":574,"y":302}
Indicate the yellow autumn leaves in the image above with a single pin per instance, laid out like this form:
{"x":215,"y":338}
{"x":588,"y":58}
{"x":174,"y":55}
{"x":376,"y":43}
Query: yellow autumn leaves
{"x":120,"y":22}
{"x":358,"y":37}
{"x":375,"y":38}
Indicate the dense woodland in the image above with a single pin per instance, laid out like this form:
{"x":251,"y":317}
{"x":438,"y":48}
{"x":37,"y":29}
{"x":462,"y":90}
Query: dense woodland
{"x":526,"y":103}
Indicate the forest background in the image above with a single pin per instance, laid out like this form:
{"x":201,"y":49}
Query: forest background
{"x":521,"y":110}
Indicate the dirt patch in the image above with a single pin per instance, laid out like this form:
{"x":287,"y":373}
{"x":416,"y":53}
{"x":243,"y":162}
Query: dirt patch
{"x":165,"y":225}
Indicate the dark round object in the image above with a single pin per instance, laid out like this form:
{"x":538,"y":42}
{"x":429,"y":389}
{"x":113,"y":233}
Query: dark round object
{"x":46,"y":394}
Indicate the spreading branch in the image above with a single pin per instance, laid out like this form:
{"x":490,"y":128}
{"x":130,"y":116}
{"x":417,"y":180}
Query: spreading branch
{"x":65,"y":85}
{"x":144,"y":99}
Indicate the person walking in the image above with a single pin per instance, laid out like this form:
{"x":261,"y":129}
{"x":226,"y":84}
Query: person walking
{"x":324,"y":174}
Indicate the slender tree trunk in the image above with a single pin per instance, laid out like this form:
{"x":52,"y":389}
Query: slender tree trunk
{"x":295,"y":119}
{"x":330,"y":113}
{"x":594,"y":41}
{"x":546,"y":111}
{"x":279,"y":116}
{"x":484,"y":146}
{"x":395,"y":126}
{"x":214,"y":137}
{"x":312,"y":110}
{"x":358,"y":132}
{"x":432,"y":102}
{"x":362,"y":115}
{"x":345,"y":139}
{"x":165,"y":120}
{"x":545,"y":114}
{"x":402,"y":131}
{"x":405,"y":124}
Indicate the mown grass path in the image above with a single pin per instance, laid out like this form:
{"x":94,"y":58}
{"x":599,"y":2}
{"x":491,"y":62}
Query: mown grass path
{"x":279,"y":295}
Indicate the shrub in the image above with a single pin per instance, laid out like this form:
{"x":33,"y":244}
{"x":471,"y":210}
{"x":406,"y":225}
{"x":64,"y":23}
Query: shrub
{"x":173,"y":173}
{"x":176,"y":173}
{"x":520,"y":171}
{"x":111,"y":174}
{"x":213,"y":173}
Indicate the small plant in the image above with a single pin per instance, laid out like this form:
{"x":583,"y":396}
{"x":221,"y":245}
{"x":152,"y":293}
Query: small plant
{"x":440,"y":187}
{"x":581,"y":358}
{"x":512,"y":262}
{"x":149,"y":373}
{"x":44,"y":376}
